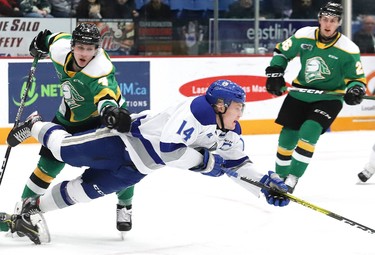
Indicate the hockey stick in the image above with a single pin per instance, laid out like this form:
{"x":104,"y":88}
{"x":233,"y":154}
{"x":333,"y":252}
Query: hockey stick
{"x":302,"y":202}
{"x":323,"y":92}
{"x":19,"y":113}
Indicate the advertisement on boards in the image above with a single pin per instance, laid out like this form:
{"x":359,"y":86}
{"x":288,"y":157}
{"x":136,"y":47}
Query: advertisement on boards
{"x":253,"y":86}
{"x":118,"y":36}
{"x":45,"y":92}
{"x":237,"y":35}
{"x":16,"y":34}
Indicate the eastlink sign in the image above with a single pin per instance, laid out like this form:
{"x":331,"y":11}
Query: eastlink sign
{"x":237,"y":35}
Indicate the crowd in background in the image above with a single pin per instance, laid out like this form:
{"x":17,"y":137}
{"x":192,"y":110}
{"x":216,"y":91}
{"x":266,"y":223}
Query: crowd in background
{"x":189,"y":17}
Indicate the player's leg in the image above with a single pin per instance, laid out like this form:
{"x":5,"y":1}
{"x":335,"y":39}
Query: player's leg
{"x":319,"y":117}
{"x":93,"y":183}
{"x":288,"y":139}
{"x":124,"y":209}
{"x":369,"y":168}
{"x":290,"y":117}
{"x":46,"y":171}
{"x":309,"y":134}
{"x":111,"y":168}
{"x":48,"y":167}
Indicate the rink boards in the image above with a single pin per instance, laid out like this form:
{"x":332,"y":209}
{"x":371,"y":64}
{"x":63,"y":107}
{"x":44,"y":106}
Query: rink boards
{"x":157,"y":82}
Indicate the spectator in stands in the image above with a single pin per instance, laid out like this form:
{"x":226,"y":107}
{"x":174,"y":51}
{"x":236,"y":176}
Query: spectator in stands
{"x":61,"y":8}
{"x":155,"y":10}
{"x":241,"y":9}
{"x":74,"y":5}
{"x":36,"y":8}
{"x":9,"y":8}
{"x":121,"y":9}
{"x":365,"y":37}
{"x":90,"y":9}
{"x":304,"y":9}
{"x":282,"y":9}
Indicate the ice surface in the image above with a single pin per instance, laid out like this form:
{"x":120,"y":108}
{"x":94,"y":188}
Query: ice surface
{"x":180,"y":212}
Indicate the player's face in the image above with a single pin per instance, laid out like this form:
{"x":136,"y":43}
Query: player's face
{"x":328,"y":25}
{"x":232,"y":115}
{"x":83,"y":53}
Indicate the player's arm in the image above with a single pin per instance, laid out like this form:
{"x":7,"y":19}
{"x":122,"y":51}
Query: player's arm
{"x":237,"y":160}
{"x":110,"y":104}
{"x":39,"y":46}
{"x":283,"y":53}
{"x":355,"y":81}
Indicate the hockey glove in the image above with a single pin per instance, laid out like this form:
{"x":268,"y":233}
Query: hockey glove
{"x":22,"y":131}
{"x":117,"y":118}
{"x":212,"y":164}
{"x":274,"y":181}
{"x":275,"y":80}
{"x":38,"y":47}
{"x":354,"y":95}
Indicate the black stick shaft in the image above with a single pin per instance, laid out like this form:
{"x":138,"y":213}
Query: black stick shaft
{"x":19,"y":114}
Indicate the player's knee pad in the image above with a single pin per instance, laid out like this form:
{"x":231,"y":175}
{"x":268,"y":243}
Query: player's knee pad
{"x":50,"y":167}
{"x":288,"y":138}
{"x":310,"y":131}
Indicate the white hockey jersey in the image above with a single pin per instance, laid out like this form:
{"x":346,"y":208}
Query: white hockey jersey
{"x":174,"y":136}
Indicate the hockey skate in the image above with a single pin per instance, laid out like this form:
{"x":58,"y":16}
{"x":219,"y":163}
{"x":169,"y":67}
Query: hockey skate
{"x":17,"y":211}
{"x":33,"y":226}
{"x":23,"y":130}
{"x":291,"y":181}
{"x":366,"y":173}
{"x":124,"y":219}
{"x":31,"y":222}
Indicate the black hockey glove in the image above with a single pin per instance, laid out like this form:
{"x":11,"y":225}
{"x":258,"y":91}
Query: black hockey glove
{"x":354,"y":95}
{"x":275,"y":80}
{"x":117,"y":118}
{"x":38,"y":47}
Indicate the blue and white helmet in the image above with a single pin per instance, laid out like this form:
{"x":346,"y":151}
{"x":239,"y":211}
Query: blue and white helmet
{"x":227,"y":91}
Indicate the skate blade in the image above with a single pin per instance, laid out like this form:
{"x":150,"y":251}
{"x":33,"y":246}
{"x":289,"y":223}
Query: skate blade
{"x":39,"y":221}
{"x":123,"y":235}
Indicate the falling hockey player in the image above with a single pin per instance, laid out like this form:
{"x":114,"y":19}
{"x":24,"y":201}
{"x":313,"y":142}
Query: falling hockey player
{"x":201,"y":134}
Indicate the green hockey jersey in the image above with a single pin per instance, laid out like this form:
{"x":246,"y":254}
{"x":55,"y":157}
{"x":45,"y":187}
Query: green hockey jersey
{"x":85,"y":93}
{"x":334,"y":66}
